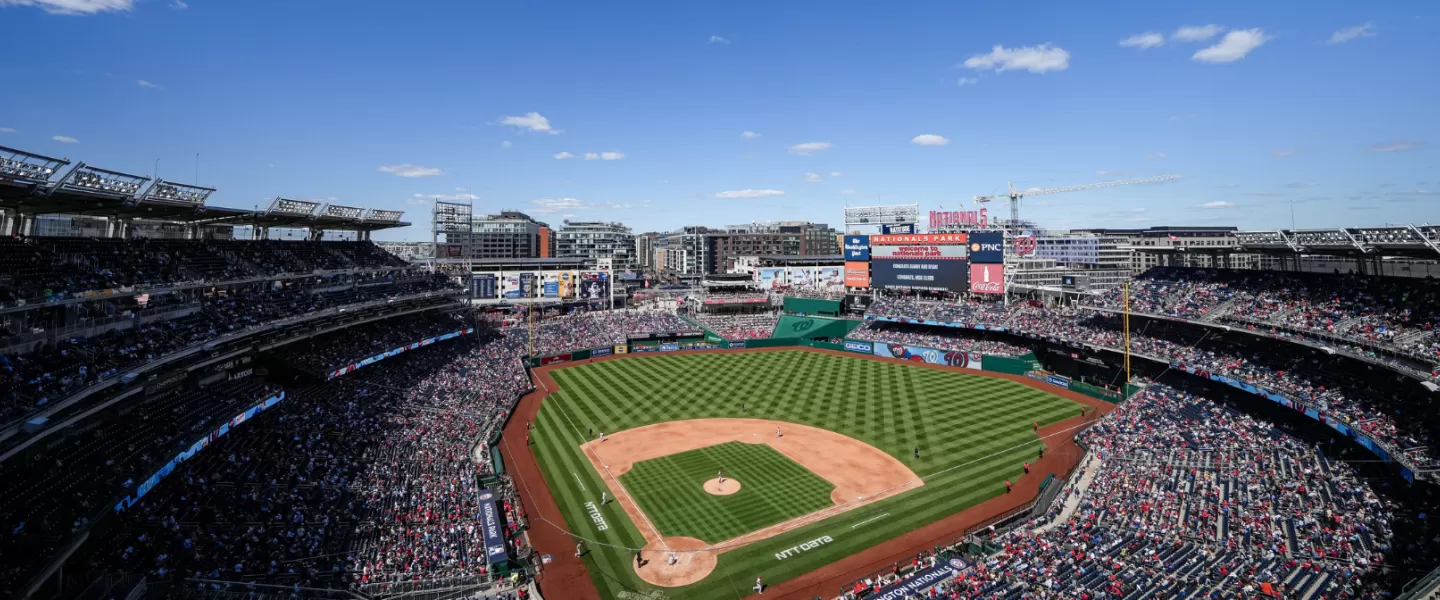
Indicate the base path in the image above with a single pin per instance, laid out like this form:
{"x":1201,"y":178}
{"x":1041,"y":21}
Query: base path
{"x":861,"y":473}
{"x":566,"y":577}
{"x":715,"y":487}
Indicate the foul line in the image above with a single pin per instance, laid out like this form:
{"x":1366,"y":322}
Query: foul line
{"x":585,"y":444}
{"x":867,"y":521}
{"x":577,"y":480}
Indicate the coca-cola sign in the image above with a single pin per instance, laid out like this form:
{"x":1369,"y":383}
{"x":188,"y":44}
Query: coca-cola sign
{"x":987,"y":279}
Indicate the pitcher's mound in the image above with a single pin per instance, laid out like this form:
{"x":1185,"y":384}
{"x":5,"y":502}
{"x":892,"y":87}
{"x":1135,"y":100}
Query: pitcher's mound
{"x":714,"y":487}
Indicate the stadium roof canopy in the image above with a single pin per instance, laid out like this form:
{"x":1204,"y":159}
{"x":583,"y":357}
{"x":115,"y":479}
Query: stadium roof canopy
{"x":1399,"y":241}
{"x":34,"y":184}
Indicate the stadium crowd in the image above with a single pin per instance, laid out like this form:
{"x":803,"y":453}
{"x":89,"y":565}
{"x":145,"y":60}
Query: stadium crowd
{"x":369,"y":481}
{"x":581,"y":330}
{"x":1191,"y":499}
{"x":1393,"y":313}
{"x":48,"y":268}
{"x":53,"y":370}
{"x":739,"y":327}
{"x":932,"y":337}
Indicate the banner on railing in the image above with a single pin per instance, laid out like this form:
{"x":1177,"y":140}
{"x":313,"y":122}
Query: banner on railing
{"x":384,"y":355}
{"x":920,"y":581}
{"x":491,"y":528}
{"x":150,"y":482}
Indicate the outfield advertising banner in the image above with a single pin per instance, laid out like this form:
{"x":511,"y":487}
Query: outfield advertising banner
{"x":857,"y":274}
{"x":551,"y":360}
{"x":857,"y":247}
{"x":736,"y":345}
{"x":861,"y":347}
{"x":622,"y":349}
{"x":970,"y":360}
{"x":987,"y":247}
{"x":987,"y":278}
{"x":939,"y":275}
{"x":770,"y":278}
{"x":802,"y":277}
{"x":600,"y":352}
{"x":832,"y":278}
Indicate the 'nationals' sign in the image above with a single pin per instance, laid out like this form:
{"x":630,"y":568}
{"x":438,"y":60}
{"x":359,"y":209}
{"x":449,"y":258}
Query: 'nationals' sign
{"x":917,"y":238}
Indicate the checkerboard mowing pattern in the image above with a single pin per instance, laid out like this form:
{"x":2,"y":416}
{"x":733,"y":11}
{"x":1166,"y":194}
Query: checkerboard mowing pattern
{"x":774,"y":489}
{"x":973,"y":432}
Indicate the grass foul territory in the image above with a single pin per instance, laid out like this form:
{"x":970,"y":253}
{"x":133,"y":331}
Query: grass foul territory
{"x":671,"y":491}
{"x":973,"y":432}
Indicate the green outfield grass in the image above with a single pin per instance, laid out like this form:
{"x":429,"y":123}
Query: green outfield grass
{"x":671,"y":491}
{"x":973,"y":432}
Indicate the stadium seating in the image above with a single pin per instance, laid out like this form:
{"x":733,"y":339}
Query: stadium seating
{"x":932,"y":337}
{"x":739,"y":327}
{"x":1191,"y":499}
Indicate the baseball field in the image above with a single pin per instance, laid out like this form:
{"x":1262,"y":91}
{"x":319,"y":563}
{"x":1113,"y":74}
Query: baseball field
{"x":727,"y":466}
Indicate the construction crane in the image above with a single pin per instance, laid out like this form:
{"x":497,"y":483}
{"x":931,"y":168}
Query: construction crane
{"x":1016,"y":195}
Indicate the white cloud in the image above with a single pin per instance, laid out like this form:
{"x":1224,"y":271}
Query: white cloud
{"x":616,"y":205}
{"x":426,"y":198}
{"x":147,"y":84}
{"x":809,"y":147}
{"x":546,"y":206}
{"x":1106,"y":173}
{"x":1400,"y":146}
{"x":607,"y":156}
{"x":408,"y":170}
{"x":848,"y":192}
{"x":929,"y":139}
{"x":179,"y":4}
{"x":1196,"y":33}
{"x":749,"y":135}
{"x":7,"y":130}
{"x":1216,"y":205}
{"x":964,"y":81}
{"x":661,"y":181}
{"x":1234,"y":46}
{"x":812,"y":178}
{"x":1035,"y":59}
{"x":836,"y":173}
{"x":1156,"y":156}
{"x":506,"y":144}
{"x":1350,"y":33}
{"x":592,"y":156}
{"x":715,"y":39}
{"x":564,"y":156}
{"x":73,"y":7}
{"x":1149,"y":39}
{"x":1282,"y":153}
{"x":530,"y":121}
{"x":65,"y":139}
{"x":749,"y":194}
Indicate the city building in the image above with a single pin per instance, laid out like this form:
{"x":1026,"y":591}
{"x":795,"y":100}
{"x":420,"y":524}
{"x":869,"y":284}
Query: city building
{"x":645,"y":251}
{"x":595,"y":240}
{"x":783,"y":238}
{"x":685,"y":251}
{"x":509,"y":234}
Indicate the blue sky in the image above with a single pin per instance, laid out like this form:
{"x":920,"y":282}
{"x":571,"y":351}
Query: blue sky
{"x":1328,"y":107}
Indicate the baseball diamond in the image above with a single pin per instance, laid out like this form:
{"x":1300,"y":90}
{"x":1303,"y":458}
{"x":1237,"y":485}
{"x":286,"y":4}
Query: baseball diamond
{"x":972,"y":432}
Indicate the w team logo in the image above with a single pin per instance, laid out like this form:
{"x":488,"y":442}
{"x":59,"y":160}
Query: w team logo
{"x":803,"y":326}
{"x":1025,"y":245}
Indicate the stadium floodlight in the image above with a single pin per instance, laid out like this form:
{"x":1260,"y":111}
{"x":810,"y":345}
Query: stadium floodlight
{"x":452,"y":217}
{"x":384,"y":216}
{"x":286,"y":206}
{"x":899,"y":214}
{"x":341,"y":212}
{"x":25,"y":167}
{"x":85,"y":179}
{"x":169,"y":192}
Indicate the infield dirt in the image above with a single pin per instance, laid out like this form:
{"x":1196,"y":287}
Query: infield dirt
{"x":566,"y":577}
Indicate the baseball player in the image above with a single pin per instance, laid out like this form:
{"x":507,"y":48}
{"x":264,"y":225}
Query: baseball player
{"x":917,"y":453}
{"x":604,"y":497}
{"x":759,"y":585}
{"x":720,"y":476}
{"x":579,"y":550}
{"x":602,"y":436}
{"x":777,"y":431}
{"x":673,"y":559}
